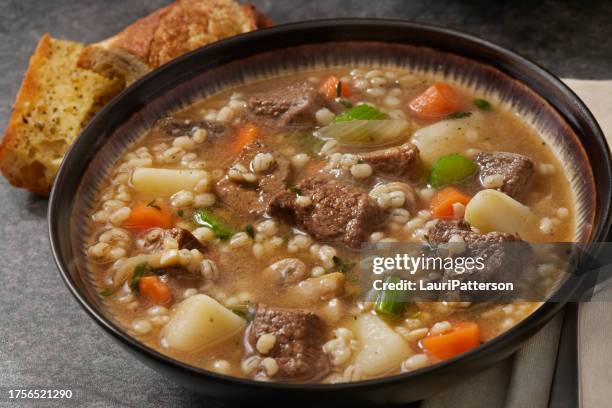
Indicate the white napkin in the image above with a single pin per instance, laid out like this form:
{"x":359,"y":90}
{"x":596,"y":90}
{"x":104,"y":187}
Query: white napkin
{"x":524,"y":380}
{"x":595,"y":317}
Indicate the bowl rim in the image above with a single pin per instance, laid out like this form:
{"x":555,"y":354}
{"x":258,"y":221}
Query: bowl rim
{"x":522,"y":330}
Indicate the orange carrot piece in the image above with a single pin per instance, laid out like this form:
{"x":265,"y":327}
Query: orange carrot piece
{"x":463,"y":336}
{"x":145,"y":216}
{"x":437,"y":101}
{"x":441,"y":205}
{"x":245,"y":135}
{"x":332,"y":88}
{"x":153,"y":289}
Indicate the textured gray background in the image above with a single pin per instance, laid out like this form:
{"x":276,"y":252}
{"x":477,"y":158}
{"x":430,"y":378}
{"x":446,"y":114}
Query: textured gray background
{"x":46,"y":340}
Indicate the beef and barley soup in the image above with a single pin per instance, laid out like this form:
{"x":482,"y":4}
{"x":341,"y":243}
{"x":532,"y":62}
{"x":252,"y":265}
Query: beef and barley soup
{"x":227,"y":235}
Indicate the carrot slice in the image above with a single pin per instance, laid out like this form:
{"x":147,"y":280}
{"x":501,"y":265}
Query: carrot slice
{"x":153,"y":289}
{"x":441,"y":205}
{"x":144,"y":216}
{"x":463,"y":336}
{"x":437,"y":101}
{"x":332,"y":88}
{"x":245,"y":135}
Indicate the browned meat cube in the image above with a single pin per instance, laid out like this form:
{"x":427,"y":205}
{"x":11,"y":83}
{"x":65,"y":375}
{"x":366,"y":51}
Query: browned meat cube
{"x":298,"y":349}
{"x":444,"y":230}
{"x":292,"y":105}
{"x":515,"y":169}
{"x":399,"y":161}
{"x":253,"y":198}
{"x":337,"y":212}
{"x":505,"y":256}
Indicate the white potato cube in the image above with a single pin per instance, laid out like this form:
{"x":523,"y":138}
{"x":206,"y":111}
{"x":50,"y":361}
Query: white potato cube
{"x":382,"y":350}
{"x":492,"y":210}
{"x":199,"y":322}
{"x":165,"y":182}
{"x":444,"y":137}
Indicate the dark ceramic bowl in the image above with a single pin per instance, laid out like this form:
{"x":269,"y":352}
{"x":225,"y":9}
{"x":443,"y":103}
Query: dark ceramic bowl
{"x":546,"y":103}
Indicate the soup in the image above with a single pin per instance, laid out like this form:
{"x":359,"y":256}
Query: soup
{"x":227,"y":235}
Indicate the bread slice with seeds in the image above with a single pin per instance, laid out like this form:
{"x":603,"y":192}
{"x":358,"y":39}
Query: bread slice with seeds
{"x":55,"y":101}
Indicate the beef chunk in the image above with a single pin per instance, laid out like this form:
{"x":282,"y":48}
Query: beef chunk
{"x":505,"y":256}
{"x":338,"y":212}
{"x":294,"y":104}
{"x":515,"y":169}
{"x":178,"y":127}
{"x":298,"y":349}
{"x":253,"y":198}
{"x":443,"y":231}
{"x":154,"y":240}
{"x":399,"y":161}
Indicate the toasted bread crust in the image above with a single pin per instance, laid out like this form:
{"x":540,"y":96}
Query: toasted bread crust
{"x":168,"y":33}
{"x":54,"y":102}
{"x":28,"y":89}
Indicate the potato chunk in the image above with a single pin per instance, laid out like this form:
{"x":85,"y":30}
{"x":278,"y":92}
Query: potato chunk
{"x":382,"y":349}
{"x":492,"y":210}
{"x":445,"y":137}
{"x":199,"y":322}
{"x":165,"y":182}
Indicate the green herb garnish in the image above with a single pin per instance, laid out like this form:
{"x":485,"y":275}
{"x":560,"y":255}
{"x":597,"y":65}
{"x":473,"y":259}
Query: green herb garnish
{"x":180,"y":213}
{"x":295,"y":190}
{"x":482,"y":104}
{"x":153,"y":205}
{"x":459,"y":115}
{"x":250,"y":231}
{"x":206,"y":219}
{"x":139,"y":272}
{"x":341,"y":266}
{"x":105,"y":293}
{"x":360,"y":112}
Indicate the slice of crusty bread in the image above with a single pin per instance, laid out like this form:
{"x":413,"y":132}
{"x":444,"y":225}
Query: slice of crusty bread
{"x":169,"y":32}
{"x":55,"y":101}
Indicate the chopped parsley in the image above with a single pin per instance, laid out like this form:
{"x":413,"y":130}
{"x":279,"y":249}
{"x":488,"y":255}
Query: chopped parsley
{"x":250,"y":230}
{"x":139,"y":272}
{"x":180,"y":213}
{"x":482,"y":104}
{"x":459,"y":115}
{"x":204,"y":218}
{"x":153,"y":205}
{"x":105,"y":293}
{"x":295,"y":190}
{"x":341,"y":266}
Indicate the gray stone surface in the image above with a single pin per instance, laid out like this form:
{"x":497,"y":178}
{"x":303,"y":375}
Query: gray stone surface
{"x":46,"y":340}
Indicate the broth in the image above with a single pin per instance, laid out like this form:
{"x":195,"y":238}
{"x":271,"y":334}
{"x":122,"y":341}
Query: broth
{"x":247,"y":180}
